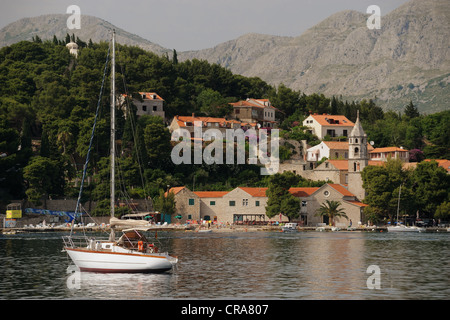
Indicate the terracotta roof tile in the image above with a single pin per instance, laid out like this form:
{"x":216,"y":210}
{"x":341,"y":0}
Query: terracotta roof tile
{"x":255,"y":192}
{"x":341,"y":189}
{"x":357,"y":203}
{"x":332,"y":120}
{"x":388,"y":149}
{"x":211,"y":194}
{"x":175,"y":190}
{"x":302,"y":192}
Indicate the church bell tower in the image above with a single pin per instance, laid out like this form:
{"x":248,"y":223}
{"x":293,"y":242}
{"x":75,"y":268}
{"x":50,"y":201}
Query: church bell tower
{"x":358,"y":159}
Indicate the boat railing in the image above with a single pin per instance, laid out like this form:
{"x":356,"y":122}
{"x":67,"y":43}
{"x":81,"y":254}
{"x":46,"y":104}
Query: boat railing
{"x":73,"y":242}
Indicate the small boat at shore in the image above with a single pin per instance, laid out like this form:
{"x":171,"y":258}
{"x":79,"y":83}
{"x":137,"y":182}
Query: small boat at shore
{"x":289,"y":227}
{"x":400,"y":227}
{"x":403,"y":228}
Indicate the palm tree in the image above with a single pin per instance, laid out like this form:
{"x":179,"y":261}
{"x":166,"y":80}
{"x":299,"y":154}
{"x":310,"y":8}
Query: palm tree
{"x":332,"y":210}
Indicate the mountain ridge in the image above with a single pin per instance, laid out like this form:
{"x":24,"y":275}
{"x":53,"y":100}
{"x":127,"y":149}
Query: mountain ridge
{"x":49,"y":25}
{"x":407,"y":59}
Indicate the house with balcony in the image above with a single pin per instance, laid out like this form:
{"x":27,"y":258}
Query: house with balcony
{"x":188,"y":123}
{"x":328,"y":125}
{"x":383,"y":154}
{"x":259,"y":111}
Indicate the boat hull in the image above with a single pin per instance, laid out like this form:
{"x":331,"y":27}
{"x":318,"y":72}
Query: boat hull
{"x":404,"y":229}
{"x":114,"y":262}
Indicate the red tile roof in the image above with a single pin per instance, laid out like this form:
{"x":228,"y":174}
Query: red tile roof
{"x":341,"y":189}
{"x":297,"y":192}
{"x":332,"y":120}
{"x":387,"y":149}
{"x":211,"y":194}
{"x":258,"y":103}
{"x":181,"y":120}
{"x":357,"y":203}
{"x":175,"y":190}
{"x":302,"y":192}
{"x":255,"y":192}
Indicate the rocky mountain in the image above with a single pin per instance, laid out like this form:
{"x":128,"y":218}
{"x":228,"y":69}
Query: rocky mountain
{"x":407,"y":59}
{"x":96,"y":29}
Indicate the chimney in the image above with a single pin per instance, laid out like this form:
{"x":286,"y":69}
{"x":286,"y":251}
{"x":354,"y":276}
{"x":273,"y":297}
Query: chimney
{"x":193,"y":115}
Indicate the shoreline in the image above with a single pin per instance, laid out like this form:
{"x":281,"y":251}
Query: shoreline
{"x":213,"y":229}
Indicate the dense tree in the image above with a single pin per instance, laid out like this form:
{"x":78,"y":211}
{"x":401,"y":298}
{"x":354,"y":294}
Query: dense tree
{"x":431,"y":184}
{"x":165,"y":202}
{"x":280,"y":200}
{"x":44,"y":177}
{"x":48,"y":95}
{"x":382,"y":184}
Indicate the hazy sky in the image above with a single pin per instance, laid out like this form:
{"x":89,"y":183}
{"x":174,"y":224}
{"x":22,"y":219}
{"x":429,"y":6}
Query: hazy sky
{"x":197,"y":24}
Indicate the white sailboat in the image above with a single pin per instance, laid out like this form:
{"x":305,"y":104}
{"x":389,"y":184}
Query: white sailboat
{"x":132,"y":252}
{"x":401,"y":227}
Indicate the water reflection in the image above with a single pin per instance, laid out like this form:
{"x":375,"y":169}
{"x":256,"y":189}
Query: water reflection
{"x":250,"y":265}
{"x":121,"y":285}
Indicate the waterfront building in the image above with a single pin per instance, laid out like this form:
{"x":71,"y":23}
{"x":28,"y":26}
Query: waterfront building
{"x":245,"y":205}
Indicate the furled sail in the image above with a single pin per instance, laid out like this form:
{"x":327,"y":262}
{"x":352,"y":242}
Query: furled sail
{"x":129,"y":223}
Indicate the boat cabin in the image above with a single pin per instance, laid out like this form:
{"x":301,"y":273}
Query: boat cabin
{"x":134,"y":239}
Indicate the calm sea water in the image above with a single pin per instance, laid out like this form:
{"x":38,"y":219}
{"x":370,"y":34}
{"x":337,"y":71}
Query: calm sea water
{"x":243,"y":265}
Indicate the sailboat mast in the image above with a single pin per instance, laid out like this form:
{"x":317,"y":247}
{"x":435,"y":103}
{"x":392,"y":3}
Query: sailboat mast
{"x":113,"y":126}
{"x":398,"y":204}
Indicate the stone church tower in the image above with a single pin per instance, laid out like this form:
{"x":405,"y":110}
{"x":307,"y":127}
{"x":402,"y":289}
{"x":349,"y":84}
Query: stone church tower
{"x":358,"y":159}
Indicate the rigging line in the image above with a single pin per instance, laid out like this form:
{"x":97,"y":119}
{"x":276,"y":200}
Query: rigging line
{"x":91,"y":140}
{"x":133,"y":130}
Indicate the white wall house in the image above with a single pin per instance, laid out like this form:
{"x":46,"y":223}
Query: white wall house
{"x":331,"y":125}
{"x":149,"y":103}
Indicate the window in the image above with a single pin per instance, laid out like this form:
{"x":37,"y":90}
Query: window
{"x":232,"y":203}
{"x":326,"y":193}
{"x":191,"y":202}
{"x":245,"y":202}
{"x":303,"y":203}
{"x":155,"y":108}
{"x":257,"y":203}
{"x":144,"y":108}
{"x":212,"y":203}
